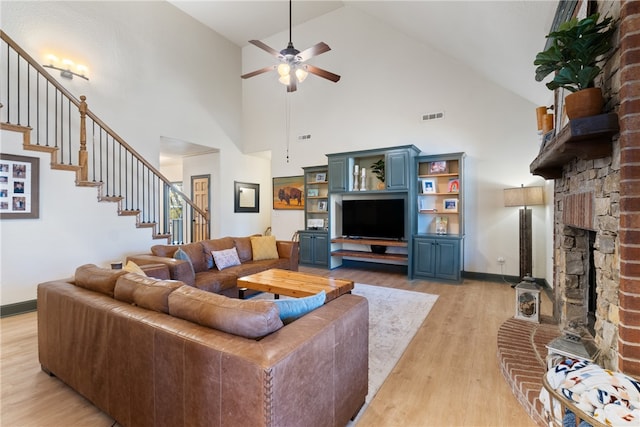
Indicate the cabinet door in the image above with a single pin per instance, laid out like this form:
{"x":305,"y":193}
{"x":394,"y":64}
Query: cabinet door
{"x":321,"y":249}
{"x":424,"y":257}
{"x":447,"y":262}
{"x":338,"y":181}
{"x":396,"y":170}
{"x":306,"y":248}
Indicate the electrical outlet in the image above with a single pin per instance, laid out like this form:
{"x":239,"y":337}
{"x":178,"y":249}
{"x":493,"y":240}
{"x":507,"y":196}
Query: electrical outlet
{"x":501,"y":260}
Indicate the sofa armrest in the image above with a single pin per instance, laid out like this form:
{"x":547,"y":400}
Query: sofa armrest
{"x":157,"y":271}
{"x":289,"y":250}
{"x":178,"y":269}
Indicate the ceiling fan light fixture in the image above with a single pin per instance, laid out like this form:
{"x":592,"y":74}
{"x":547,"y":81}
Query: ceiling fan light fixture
{"x":301,"y":74}
{"x":284,"y":69}
{"x":285,"y":80}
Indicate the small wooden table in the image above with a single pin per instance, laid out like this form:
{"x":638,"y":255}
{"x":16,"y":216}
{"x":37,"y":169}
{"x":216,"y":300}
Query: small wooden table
{"x":294,"y":284}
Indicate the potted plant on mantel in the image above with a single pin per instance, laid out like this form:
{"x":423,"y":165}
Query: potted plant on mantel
{"x":378,"y":170}
{"x":576,"y":50}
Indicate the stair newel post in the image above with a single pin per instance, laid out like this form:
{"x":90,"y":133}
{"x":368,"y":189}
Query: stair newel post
{"x":83,"y":155}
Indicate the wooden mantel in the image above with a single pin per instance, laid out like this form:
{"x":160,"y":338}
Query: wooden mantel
{"x":585,"y":138}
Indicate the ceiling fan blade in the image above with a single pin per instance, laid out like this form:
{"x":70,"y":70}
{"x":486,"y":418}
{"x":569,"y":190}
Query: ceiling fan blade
{"x":314,"y":50}
{"x":264,"y":47}
{"x":322,"y":73}
{"x":260,"y":71}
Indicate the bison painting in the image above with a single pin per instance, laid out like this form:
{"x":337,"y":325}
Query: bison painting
{"x":287,"y":194}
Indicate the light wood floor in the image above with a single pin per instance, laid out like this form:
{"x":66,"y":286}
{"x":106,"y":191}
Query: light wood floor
{"x":448,"y":376}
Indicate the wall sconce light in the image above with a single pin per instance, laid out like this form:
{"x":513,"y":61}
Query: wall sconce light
{"x":68,"y":68}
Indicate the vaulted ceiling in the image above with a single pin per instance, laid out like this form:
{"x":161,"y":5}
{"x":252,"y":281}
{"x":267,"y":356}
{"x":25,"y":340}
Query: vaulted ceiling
{"x":498,"y":39}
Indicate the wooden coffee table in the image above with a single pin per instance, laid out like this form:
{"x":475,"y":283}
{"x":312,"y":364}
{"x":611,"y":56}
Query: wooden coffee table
{"x":294,"y":284}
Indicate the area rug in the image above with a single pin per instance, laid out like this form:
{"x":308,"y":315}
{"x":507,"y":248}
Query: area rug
{"x":394,"y":318}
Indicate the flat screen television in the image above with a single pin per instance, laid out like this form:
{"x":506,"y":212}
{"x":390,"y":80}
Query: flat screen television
{"x":379,"y":218}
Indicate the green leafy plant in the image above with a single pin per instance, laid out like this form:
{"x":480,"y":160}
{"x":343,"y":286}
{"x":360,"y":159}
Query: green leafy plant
{"x":576,"y":50}
{"x":378,"y":169}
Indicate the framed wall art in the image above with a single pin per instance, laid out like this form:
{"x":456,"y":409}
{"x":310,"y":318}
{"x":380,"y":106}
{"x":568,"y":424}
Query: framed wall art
{"x":288,"y":192}
{"x":19,"y":187}
{"x":450,"y":205}
{"x":246,"y":197}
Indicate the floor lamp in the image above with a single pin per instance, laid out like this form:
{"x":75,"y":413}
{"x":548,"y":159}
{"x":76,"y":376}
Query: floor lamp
{"x":524,"y":196}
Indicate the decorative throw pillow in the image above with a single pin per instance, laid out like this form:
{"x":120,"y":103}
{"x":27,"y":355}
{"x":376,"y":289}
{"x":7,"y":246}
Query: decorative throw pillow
{"x":182,"y":255}
{"x":264,"y":247}
{"x":226,"y":258}
{"x":132,"y":267}
{"x":294,"y":308}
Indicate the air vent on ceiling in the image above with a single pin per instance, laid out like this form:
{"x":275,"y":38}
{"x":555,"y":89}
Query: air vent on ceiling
{"x":433,"y":116}
{"x":304,"y":137}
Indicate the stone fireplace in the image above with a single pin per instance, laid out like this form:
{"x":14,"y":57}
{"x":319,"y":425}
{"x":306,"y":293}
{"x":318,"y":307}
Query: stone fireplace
{"x":597,"y":210}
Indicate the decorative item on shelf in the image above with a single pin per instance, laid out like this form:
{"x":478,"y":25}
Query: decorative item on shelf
{"x":363,"y":179}
{"x":573,"y":53}
{"x":544,"y":119}
{"x":312,"y":192}
{"x":450,"y":205}
{"x":528,"y":300}
{"x":442,"y":223}
{"x":322,"y":206}
{"x":522,"y":197}
{"x":428,"y":186}
{"x":438,"y":167}
{"x":378,"y":170}
{"x":356,"y":178}
{"x":321,"y":177}
{"x":454,"y":185}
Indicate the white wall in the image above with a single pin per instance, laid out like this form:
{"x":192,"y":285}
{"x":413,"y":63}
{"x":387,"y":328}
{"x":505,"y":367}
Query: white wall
{"x":388,"y":82}
{"x":154,"y":72}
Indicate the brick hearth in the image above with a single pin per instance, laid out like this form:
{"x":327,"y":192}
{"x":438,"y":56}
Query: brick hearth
{"x":521,"y":354}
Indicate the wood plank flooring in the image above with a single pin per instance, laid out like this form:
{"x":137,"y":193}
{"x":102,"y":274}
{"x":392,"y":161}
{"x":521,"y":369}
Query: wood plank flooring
{"x":448,"y":376}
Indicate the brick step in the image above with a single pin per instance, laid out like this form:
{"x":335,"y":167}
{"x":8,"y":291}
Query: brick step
{"x":521,"y":354}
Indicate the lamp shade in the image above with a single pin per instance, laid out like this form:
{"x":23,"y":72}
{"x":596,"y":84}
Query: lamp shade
{"x":523,"y":196}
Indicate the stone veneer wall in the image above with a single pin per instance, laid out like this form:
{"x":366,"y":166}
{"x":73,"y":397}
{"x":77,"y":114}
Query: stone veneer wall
{"x":603,"y":195}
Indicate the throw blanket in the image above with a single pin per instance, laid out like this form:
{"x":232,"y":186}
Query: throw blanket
{"x":610,"y":397}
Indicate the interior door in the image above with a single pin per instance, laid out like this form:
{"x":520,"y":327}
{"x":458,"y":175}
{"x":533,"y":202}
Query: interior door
{"x":200,"y":196}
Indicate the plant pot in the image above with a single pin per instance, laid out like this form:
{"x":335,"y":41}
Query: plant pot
{"x":584,"y":103}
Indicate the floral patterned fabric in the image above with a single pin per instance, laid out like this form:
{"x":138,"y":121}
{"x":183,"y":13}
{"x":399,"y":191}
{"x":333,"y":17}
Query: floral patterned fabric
{"x":225,"y":258}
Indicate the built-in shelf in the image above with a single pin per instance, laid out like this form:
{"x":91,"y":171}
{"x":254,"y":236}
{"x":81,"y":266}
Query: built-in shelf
{"x":585,"y":138}
{"x":380,"y":242}
{"x":371,"y":255}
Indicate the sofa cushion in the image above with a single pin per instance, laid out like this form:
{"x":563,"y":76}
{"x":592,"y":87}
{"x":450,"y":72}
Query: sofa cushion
{"x":132,"y":267}
{"x":226,"y":258}
{"x":243,"y":246}
{"x":166,"y":251}
{"x":246,"y":318}
{"x":92,"y":277}
{"x":215,"y":245}
{"x":294,"y":308}
{"x":145,"y":292}
{"x":215,"y":280}
{"x":183,"y":256}
{"x":264,"y":247}
{"x":196,"y":254}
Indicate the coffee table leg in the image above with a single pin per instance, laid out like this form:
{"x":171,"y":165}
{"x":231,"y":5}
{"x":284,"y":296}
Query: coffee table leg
{"x":276,"y":296}
{"x":241,"y":292}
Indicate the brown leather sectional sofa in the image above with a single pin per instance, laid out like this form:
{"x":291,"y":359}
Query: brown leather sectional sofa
{"x":205,"y":275}
{"x":143,"y":366}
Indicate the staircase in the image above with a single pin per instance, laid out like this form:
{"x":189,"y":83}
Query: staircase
{"x":53,"y":121}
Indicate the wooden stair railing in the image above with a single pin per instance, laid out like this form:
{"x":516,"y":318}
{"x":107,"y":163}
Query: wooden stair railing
{"x":105,"y":160}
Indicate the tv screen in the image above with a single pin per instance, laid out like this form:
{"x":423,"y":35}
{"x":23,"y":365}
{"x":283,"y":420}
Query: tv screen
{"x":380,"y":218}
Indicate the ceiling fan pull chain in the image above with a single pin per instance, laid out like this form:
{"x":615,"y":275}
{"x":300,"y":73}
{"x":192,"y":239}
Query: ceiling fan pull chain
{"x":287,"y":123}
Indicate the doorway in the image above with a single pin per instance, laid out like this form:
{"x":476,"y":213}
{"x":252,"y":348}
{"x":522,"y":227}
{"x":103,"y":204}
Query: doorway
{"x":200,"y":196}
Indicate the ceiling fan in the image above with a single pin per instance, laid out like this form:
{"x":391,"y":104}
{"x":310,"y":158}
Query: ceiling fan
{"x":292,"y":69}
